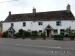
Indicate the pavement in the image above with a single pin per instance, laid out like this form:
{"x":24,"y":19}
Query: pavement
{"x":27,"y":47}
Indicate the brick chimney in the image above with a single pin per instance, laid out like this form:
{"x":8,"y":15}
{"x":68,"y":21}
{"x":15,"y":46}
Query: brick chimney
{"x":68,"y":7}
{"x":34,"y":10}
{"x":9,"y":12}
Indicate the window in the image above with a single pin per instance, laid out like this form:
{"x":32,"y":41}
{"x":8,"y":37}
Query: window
{"x":62,"y":30}
{"x":39,"y":23}
{"x":58,"y":23}
{"x":55,"y":31}
{"x":40,"y":30}
{"x":24,"y":23}
{"x":12,"y":24}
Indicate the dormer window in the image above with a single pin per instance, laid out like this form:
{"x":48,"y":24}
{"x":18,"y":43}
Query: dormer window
{"x":58,"y":23}
{"x":24,"y":23}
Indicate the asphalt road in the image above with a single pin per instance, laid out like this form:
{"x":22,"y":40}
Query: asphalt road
{"x":19,"y":47}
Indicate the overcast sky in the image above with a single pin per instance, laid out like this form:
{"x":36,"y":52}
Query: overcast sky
{"x":26,"y":6}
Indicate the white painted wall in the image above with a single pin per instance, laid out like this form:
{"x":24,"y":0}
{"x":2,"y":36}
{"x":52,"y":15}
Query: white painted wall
{"x":33,"y":25}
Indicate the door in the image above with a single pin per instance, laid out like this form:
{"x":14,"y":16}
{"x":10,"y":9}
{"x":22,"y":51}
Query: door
{"x":48,"y":33}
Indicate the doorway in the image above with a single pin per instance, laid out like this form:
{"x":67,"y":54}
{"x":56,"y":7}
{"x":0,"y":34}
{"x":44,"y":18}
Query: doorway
{"x":48,"y":32}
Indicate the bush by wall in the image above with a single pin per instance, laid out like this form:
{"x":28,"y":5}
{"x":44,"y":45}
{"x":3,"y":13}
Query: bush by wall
{"x":5,"y":35}
{"x":23,"y":34}
{"x":71,"y":36}
{"x":27,"y":34}
{"x":43,"y":36}
{"x":34,"y":35}
{"x":58,"y":37}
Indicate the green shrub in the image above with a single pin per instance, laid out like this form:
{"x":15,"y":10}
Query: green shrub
{"x":27,"y":34}
{"x":62,"y":33}
{"x":71,"y":36}
{"x":55,"y":37}
{"x":34,"y":35}
{"x":5,"y":35}
{"x":16,"y":35}
{"x":21,"y":33}
{"x":43,"y":35}
{"x":58,"y":37}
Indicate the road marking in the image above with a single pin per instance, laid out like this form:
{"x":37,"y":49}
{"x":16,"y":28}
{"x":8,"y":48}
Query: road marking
{"x":53,"y":52}
{"x":39,"y":46}
{"x":65,"y":51}
{"x":18,"y":44}
{"x":42,"y":46}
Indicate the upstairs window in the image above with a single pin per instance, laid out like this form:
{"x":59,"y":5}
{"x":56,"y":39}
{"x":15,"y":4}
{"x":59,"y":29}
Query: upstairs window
{"x":58,"y":23}
{"x":12,"y":24}
{"x":24,"y":23}
{"x":39,"y":23}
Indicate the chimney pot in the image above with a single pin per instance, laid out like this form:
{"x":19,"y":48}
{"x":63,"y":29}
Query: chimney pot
{"x":34,"y":10}
{"x":9,"y":12}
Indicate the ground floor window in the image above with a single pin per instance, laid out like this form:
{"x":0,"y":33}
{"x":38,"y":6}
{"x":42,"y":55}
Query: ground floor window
{"x":55,"y":31}
{"x":40,"y":31}
{"x":62,"y":31}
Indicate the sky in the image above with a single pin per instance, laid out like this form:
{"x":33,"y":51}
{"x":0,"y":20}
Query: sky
{"x":26,"y":6}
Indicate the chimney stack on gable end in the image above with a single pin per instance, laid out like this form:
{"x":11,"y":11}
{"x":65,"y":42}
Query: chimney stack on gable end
{"x":9,"y":12}
{"x":68,"y":7}
{"x":34,"y":10}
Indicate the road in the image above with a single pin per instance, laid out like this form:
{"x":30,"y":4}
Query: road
{"x":19,"y":47}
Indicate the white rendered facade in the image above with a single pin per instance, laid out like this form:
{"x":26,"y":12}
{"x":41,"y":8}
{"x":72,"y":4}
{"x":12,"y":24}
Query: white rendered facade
{"x":48,"y":21}
{"x":34,"y":26}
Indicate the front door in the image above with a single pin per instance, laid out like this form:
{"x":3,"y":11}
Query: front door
{"x":48,"y":33}
{"x":10,"y":33}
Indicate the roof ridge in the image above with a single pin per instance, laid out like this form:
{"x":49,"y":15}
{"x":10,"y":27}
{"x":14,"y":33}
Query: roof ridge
{"x":39,"y":12}
{"x":42,"y":16}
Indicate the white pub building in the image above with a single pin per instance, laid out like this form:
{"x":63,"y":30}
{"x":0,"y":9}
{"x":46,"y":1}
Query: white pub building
{"x":51,"y":22}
